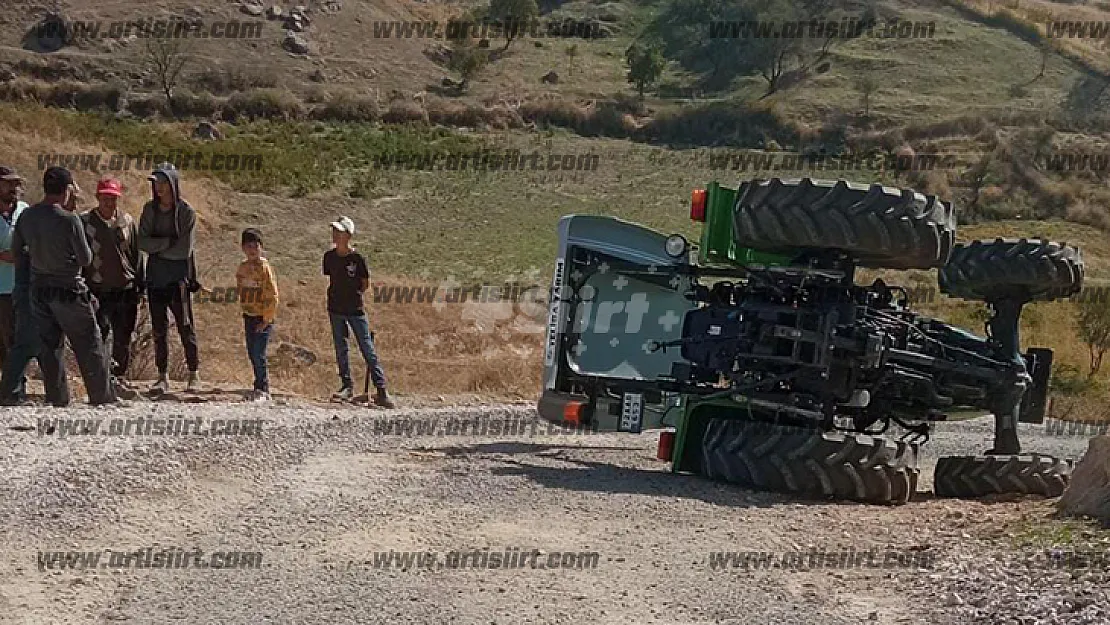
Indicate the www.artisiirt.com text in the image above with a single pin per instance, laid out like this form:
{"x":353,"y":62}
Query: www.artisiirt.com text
{"x":145,"y":426}
{"x":147,"y":558}
{"x":485,"y":558}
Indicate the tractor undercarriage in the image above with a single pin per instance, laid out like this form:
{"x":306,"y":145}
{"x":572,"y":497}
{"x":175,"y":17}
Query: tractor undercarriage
{"x":788,"y":375}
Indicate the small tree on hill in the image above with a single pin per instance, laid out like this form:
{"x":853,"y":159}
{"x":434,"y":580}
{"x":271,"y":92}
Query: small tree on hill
{"x":866,"y":86}
{"x":572,"y":53}
{"x":468,"y":62}
{"x":645,"y":65}
{"x":167,"y":58}
{"x":515,"y":15}
{"x":1093,"y":319}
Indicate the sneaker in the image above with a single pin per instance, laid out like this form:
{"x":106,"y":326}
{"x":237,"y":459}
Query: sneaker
{"x":192,"y":384}
{"x":124,"y":391}
{"x":15,"y":400}
{"x":382,"y":399}
{"x":259,"y":396}
{"x":162,"y":385}
{"x":345,"y":393}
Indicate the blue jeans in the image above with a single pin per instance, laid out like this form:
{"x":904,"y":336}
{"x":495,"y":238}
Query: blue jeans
{"x":361,"y":329}
{"x":257,"y":342}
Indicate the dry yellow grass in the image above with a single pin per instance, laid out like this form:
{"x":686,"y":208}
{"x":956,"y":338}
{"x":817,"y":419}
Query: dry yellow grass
{"x":450,"y":349}
{"x":497,"y":361}
{"x":1039,"y":13}
{"x":425,"y":349}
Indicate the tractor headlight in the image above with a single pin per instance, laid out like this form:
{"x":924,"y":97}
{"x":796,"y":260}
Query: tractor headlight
{"x":675,"y":246}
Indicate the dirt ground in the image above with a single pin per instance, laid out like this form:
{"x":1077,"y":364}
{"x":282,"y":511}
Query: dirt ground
{"x":324,"y":493}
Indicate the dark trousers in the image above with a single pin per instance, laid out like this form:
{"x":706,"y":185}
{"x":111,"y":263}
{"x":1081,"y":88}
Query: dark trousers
{"x":177,"y":300}
{"x":257,"y":342}
{"x":25,"y":346}
{"x":7,"y":325}
{"x":116,"y":314}
{"x":361,"y":329}
{"x":62,"y":314}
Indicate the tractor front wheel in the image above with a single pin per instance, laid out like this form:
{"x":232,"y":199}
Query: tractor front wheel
{"x":976,"y":476}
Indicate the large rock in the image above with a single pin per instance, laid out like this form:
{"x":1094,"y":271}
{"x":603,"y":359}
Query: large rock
{"x":295,"y":24}
{"x":52,"y":33}
{"x":439,"y":54}
{"x":295,"y":43}
{"x":290,"y":354}
{"x":1088,"y":493}
{"x":252,"y":9}
{"x":207,"y":131}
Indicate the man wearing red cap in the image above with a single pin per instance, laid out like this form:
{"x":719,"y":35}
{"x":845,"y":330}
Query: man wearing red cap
{"x":115,"y":275}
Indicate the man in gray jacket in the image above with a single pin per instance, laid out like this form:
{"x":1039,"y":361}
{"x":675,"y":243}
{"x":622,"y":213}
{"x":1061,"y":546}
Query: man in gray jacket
{"x":51,"y":237}
{"x":167,"y":233}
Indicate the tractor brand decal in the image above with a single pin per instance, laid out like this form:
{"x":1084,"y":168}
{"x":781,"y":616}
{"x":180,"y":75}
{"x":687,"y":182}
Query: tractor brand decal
{"x":553,"y":315}
{"x":632,"y":413}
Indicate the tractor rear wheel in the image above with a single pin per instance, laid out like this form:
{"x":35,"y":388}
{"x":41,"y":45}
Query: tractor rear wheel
{"x":976,"y":476}
{"x":882,"y":227}
{"x":1021,"y":269}
{"x":810,"y":462}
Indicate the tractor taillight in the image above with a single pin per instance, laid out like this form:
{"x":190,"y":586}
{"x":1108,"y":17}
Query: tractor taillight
{"x":697,"y":205}
{"x":572,"y":412}
{"x":665,"y":451}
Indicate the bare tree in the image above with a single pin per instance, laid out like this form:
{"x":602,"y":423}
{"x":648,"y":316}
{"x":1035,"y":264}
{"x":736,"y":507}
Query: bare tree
{"x":572,"y":53}
{"x":1093,"y":320}
{"x":167,"y":58}
{"x":866,"y":86}
{"x":976,"y":178}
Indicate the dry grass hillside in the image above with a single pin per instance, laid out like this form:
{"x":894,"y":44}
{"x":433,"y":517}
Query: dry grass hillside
{"x":343,"y":47}
{"x":320,"y":121}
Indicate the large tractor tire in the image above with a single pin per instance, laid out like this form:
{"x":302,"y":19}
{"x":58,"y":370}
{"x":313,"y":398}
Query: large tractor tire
{"x":976,"y":476}
{"x":878,"y":226}
{"x":810,"y":462}
{"x":1023,"y":269}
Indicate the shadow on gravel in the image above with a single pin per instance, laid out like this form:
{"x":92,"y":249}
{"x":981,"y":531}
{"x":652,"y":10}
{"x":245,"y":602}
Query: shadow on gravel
{"x":510,"y":448}
{"x":606,"y":478}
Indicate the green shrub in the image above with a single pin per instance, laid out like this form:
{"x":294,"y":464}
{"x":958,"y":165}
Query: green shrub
{"x":553,"y":112}
{"x":347,"y":107}
{"x":1069,"y":380}
{"x":147,"y":106}
{"x":222,"y":81}
{"x":196,"y":104}
{"x":720,"y":124}
{"x":404,"y":112}
{"x":274,"y":104}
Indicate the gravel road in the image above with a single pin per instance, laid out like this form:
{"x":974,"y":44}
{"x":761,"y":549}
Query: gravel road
{"x":324,"y":495}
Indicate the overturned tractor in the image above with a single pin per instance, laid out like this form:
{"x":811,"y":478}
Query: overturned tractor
{"x":776,"y":369}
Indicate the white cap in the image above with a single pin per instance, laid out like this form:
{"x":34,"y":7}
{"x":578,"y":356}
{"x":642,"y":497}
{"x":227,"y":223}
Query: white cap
{"x":344,"y":224}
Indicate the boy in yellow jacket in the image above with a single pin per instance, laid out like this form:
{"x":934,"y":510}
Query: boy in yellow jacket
{"x":258,"y":295}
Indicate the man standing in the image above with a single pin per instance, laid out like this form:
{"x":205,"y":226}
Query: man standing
{"x":115,"y":275}
{"x":167,"y":231}
{"x":11,"y":188}
{"x":57,"y":251}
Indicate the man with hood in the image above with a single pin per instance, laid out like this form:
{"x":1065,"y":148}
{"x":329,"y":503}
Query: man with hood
{"x":167,"y":233}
